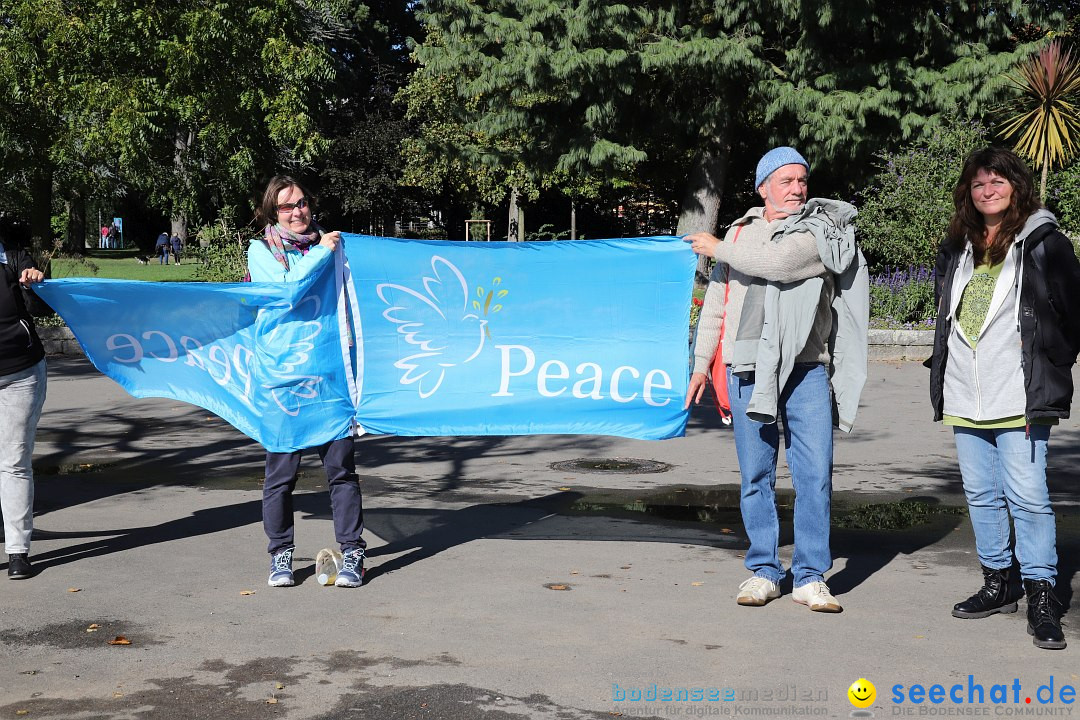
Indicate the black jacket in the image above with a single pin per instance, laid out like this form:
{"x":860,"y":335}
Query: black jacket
{"x":1049,"y":322}
{"x":20,"y":346}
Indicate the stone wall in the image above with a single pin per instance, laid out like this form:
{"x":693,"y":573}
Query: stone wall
{"x":59,"y":341}
{"x":893,"y":345}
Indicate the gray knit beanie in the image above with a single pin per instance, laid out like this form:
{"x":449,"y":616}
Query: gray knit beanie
{"x":775,"y":159}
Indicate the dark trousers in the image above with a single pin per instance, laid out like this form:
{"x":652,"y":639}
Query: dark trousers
{"x":346,"y":503}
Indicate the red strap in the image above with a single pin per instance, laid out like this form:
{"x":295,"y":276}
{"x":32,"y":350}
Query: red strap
{"x":717,"y":369}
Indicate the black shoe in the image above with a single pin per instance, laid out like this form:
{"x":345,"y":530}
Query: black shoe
{"x":997,"y":595}
{"x":1044,"y":615}
{"x":18,"y":567}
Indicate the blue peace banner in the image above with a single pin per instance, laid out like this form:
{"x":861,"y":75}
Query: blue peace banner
{"x":259,"y":355}
{"x":451,"y":338}
{"x":523,"y":338}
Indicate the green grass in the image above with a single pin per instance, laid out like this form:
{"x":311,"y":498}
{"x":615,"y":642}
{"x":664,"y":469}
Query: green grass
{"x":891,"y":515}
{"x":122,"y":265}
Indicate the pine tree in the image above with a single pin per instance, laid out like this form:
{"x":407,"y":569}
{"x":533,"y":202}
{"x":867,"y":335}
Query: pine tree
{"x":585,"y":87}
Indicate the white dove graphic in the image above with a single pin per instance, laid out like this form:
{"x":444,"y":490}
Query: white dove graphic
{"x":437,"y":321}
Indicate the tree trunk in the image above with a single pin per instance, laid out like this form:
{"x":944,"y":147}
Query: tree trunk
{"x":573,"y":220}
{"x":41,"y":242}
{"x":514,"y":231}
{"x":700,"y":206}
{"x":181,"y":147}
{"x":178,"y":226}
{"x":75,"y":240}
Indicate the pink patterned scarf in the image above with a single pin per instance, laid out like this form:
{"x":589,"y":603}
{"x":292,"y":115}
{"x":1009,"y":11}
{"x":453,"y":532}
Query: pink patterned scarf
{"x":277,"y":237}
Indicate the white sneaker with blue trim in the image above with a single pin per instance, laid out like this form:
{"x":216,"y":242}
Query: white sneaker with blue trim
{"x":281,"y":569}
{"x":351,"y":573}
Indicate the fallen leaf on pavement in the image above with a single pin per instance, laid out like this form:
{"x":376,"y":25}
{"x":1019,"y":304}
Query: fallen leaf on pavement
{"x":557,"y":586}
{"x":22,"y":712}
{"x":279,"y":686}
{"x":564,"y":489}
{"x":272,"y":701}
{"x":247,"y":592}
{"x":94,"y":627}
{"x":697,"y":584}
{"x":119,"y":640}
{"x":74,"y":589}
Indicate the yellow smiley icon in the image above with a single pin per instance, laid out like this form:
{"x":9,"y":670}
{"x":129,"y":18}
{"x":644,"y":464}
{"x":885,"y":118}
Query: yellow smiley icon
{"x":862,"y":693}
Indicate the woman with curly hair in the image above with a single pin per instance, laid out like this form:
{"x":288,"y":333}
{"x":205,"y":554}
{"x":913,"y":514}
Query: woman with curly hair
{"x":1008,"y":330}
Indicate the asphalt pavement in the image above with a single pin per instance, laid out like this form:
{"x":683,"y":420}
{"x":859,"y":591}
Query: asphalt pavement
{"x":505,"y":580}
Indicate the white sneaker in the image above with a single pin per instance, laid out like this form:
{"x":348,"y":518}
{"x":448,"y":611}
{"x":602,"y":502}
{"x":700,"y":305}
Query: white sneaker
{"x":816,"y":596}
{"x":757,"y":591}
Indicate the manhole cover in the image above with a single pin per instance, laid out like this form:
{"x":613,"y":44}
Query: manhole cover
{"x":629,"y":466}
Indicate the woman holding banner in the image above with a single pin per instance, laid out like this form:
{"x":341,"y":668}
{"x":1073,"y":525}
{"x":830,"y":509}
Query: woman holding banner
{"x":22,"y":394}
{"x":1007,"y":335}
{"x":292,"y":247}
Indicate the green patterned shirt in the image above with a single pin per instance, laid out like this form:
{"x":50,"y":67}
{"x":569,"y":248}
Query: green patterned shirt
{"x":975,"y":302}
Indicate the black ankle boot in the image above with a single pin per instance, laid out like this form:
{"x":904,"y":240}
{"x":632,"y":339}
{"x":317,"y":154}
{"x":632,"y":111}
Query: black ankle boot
{"x":19,"y":566}
{"x":997,"y":595}
{"x":1044,"y":615}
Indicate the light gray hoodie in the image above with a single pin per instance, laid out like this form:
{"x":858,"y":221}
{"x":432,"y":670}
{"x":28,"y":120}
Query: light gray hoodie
{"x":986,"y":382}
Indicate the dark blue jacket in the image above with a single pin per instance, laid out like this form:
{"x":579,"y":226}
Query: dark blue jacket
{"x":20,"y":346}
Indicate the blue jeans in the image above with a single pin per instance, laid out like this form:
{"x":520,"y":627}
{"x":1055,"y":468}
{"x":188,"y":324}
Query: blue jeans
{"x":346,"y":502}
{"x":1004,"y":473}
{"x":805,"y":406}
{"x":22,"y":394}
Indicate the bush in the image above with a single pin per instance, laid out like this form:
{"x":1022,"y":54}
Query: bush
{"x":905,"y":211}
{"x":1063,"y":198}
{"x":547,"y":232}
{"x":222,"y":253}
{"x":903,"y":298}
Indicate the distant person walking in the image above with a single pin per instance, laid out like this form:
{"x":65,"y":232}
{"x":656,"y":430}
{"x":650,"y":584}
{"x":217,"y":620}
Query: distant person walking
{"x":177,"y":247}
{"x":293,"y":247}
{"x":1008,"y":331}
{"x":22,"y":394}
{"x":161,"y":248}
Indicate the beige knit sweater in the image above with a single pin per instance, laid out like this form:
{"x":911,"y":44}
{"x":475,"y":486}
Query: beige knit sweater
{"x":754,"y":255}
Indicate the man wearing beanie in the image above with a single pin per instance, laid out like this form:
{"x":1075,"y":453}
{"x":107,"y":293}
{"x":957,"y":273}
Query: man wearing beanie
{"x":769,"y":311}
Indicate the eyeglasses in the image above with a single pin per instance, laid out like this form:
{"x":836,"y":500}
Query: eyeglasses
{"x":289,"y":207}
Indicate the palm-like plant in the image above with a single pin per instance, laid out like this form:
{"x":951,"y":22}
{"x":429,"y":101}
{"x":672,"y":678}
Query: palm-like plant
{"x":1045,"y":117}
